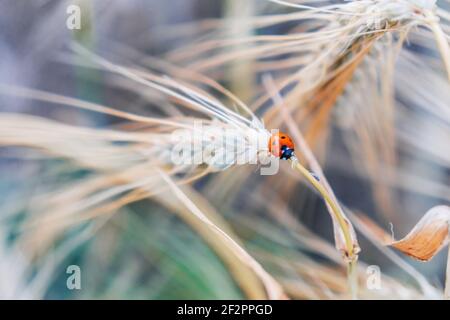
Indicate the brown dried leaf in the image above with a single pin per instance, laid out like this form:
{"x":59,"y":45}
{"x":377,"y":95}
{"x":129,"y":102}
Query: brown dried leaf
{"x":429,"y":236}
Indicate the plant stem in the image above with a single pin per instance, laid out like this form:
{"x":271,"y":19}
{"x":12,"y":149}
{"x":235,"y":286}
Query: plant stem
{"x":334,"y":208}
{"x":447,"y":277}
{"x":352,"y":275}
{"x":352,"y":261}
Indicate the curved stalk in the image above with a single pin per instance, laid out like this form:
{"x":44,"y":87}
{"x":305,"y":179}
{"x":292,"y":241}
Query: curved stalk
{"x":334,"y":208}
{"x":352,"y":262}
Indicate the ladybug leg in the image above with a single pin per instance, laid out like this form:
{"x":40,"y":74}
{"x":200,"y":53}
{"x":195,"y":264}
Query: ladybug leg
{"x":315,"y":176}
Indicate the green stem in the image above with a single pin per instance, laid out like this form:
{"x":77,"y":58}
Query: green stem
{"x":334,"y":208}
{"x":352,"y":276}
{"x":352,"y":261}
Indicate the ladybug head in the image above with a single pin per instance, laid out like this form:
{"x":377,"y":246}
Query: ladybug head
{"x":286,"y":153}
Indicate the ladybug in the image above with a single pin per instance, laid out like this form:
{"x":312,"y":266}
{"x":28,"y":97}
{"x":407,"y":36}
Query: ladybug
{"x":281,"y":145}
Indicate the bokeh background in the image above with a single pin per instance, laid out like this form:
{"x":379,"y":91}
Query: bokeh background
{"x":144,"y":250}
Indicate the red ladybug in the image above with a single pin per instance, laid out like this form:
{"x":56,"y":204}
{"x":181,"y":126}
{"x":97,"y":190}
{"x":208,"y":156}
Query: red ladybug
{"x":281,"y":145}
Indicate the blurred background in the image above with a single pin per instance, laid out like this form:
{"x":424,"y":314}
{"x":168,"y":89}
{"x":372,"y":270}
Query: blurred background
{"x":148,"y":249}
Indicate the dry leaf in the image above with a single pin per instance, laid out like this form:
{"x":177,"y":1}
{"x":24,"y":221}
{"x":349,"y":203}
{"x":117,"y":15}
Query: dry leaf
{"x":429,"y":236}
